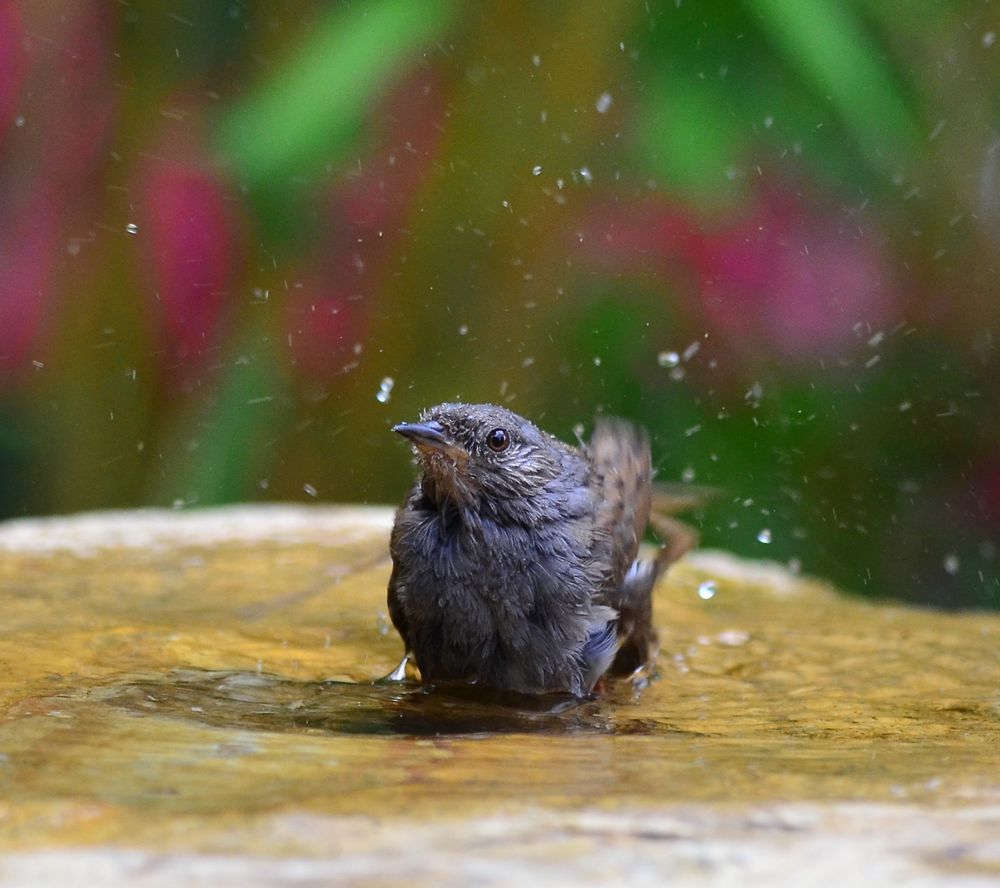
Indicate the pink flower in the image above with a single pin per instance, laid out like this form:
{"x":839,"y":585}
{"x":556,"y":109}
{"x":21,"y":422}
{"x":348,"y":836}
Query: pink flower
{"x":377,"y":196}
{"x":80,"y":101}
{"x":188,"y":233}
{"x":27,"y":240}
{"x":11,"y":62}
{"x":986,"y":484}
{"x":58,"y":61}
{"x":787,"y":280}
{"x":792,"y":281}
{"x":328,"y":307}
{"x":323,"y":324}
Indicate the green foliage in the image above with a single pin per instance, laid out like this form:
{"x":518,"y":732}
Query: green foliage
{"x":310,"y":110}
{"x":747,"y":143}
{"x":825,"y":43}
{"x":217,"y":455}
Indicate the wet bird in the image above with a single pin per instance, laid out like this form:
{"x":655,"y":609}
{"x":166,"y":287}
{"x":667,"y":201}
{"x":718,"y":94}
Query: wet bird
{"x":515,"y":555}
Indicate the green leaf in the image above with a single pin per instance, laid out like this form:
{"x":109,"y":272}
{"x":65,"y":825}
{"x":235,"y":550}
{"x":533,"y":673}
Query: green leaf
{"x":313,"y":106}
{"x":230,"y":428}
{"x":831,"y":50}
{"x":691,"y":138}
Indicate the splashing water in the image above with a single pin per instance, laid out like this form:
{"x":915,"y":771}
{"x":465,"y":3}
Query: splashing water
{"x":385,"y":390}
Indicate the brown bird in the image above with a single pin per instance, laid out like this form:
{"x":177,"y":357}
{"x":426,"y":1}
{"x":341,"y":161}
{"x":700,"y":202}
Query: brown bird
{"x":515,"y":555}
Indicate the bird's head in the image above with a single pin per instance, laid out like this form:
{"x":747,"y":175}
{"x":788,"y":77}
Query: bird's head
{"x":483,"y":456}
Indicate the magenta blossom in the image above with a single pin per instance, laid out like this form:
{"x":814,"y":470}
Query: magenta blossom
{"x":28,"y":236}
{"x":56,"y":62}
{"x":328,"y":307}
{"x":324,"y":324}
{"x":788,"y":280}
{"x":188,"y":237}
{"x":794,"y":282}
{"x":12,"y":62}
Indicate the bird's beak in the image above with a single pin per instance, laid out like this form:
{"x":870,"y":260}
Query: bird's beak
{"x":426,"y":436}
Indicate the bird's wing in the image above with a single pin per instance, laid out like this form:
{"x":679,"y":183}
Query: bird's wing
{"x":598,"y":652}
{"x":396,"y":612}
{"x":669,"y":499}
{"x":621,"y":476}
{"x":676,"y":537}
{"x":628,"y":502}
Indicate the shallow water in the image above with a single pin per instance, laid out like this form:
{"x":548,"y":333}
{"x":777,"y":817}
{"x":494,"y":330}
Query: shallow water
{"x":161,"y":690}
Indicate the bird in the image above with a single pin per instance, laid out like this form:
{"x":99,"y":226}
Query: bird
{"x":515,"y":555}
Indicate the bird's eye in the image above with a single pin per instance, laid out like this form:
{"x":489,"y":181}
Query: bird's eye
{"x":498,"y":440}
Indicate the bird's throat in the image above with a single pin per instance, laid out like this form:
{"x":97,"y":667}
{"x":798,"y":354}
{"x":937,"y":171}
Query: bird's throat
{"x":445,"y":488}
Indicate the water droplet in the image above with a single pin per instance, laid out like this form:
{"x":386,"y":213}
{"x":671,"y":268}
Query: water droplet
{"x":597,"y":361}
{"x":19,"y":121}
{"x":536,"y":170}
{"x":586,"y":175}
{"x":687,"y":476}
{"x":132,"y":228}
{"x":385,"y":390}
{"x":691,"y":350}
{"x":668,"y":359}
{"x":764,"y":536}
{"x":951,"y":564}
{"x":678,"y":373}
{"x":536,"y":60}
{"x":989,"y":38}
{"x":707,"y":590}
{"x":733,"y":637}
{"x":604,"y":102}
{"x":463,"y":329}
{"x":754,"y":394}
{"x":768,"y":121}
{"x":308,"y":488}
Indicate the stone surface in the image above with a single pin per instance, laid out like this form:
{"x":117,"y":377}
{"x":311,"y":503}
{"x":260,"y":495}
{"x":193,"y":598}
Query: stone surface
{"x":190,"y":696}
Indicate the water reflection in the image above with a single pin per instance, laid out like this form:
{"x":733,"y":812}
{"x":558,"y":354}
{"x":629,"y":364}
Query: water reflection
{"x":272,"y":703}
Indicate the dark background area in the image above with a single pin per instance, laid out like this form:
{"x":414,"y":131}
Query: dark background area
{"x":238,"y":241}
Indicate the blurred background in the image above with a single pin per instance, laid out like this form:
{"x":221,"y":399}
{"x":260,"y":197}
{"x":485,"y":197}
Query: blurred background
{"x":239,"y":240}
